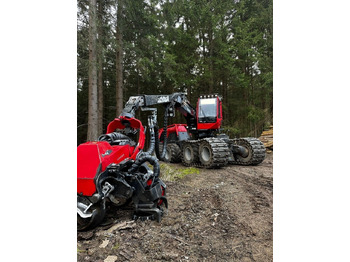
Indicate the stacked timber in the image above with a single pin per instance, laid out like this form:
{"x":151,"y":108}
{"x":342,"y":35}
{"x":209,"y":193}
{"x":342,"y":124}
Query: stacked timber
{"x":267,"y":139}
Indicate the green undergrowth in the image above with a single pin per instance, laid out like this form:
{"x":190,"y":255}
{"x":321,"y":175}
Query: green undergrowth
{"x":116,"y":246}
{"x":170,"y":172}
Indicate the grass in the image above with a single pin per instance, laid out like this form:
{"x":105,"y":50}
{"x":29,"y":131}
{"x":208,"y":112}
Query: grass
{"x":169,"y":172}
{"x":116,"y":246}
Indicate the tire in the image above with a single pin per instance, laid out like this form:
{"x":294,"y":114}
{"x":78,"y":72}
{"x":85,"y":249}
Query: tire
{"x":205,"y":153}
{"x":189,"y":154}
{"x":98,"y":213}
{"x":173,"y":154}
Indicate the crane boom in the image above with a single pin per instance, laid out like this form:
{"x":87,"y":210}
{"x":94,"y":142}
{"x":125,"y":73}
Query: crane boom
{"x":173,"y":101}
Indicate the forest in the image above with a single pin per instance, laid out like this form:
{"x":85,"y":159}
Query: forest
{"x":125,"y":48}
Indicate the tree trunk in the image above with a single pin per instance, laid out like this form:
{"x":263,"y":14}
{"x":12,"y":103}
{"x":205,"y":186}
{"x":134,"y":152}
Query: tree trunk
{"x":138,"y":113}
{"x":100,"y":68}
{"x":93,"y":100}
{"x":211,"y":67}
{"x":100,"y":97}
{"x":119,"y":59}
{"x":224,"y":98}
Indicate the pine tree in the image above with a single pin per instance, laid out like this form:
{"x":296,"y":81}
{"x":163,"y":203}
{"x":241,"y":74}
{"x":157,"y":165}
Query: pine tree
{"x":92,"y":133}
{"x":119,"y":58}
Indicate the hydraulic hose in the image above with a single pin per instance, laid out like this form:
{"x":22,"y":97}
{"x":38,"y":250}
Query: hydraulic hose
{"x":146,"y":158}
{"x":152,"y":143}
{"x":157,"y":142}
{"x":165,"y":130}
{"x":111,"y":137}
{"x":152,"y":139}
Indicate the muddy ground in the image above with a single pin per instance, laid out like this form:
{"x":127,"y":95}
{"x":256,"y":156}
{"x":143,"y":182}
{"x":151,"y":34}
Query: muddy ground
{"x":214,"y":215}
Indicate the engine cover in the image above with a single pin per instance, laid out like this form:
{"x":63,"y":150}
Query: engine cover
{"x":93,"y":158}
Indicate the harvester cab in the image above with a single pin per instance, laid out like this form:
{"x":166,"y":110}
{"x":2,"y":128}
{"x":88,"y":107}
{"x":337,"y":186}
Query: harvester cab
{"x":209,"y":115}
{"x":209,"y":110}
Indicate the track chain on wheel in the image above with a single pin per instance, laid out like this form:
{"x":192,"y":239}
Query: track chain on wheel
{"x":255,"y":148}
{"x":209,"y":152}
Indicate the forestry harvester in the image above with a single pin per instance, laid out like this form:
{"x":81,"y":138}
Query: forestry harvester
{"x":199,"y":142}
{"x":116,"y":170}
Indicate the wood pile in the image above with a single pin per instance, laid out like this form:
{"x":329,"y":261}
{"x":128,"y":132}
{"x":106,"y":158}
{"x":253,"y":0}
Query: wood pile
{"x":267,"y":139}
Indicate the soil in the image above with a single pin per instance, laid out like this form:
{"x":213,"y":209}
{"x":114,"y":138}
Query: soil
{"x":217,"y":215}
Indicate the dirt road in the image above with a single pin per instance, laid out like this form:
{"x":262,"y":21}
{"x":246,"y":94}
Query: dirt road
{"x":214,"y":215}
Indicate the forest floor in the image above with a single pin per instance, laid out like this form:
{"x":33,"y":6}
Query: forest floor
{"x":214,"y":215}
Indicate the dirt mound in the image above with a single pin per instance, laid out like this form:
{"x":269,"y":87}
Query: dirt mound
{"x":214,"y":215}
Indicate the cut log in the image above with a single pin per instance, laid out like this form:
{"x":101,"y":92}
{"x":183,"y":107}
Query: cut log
{"x":267,"y":139}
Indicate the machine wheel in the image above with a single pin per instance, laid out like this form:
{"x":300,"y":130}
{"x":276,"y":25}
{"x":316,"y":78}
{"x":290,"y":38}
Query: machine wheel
{"x":189,"y":154}
{"x":173,"y":153}
{"x":95,"y":213}
{"x":205,"y":153}
{"x":255,"y":151}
